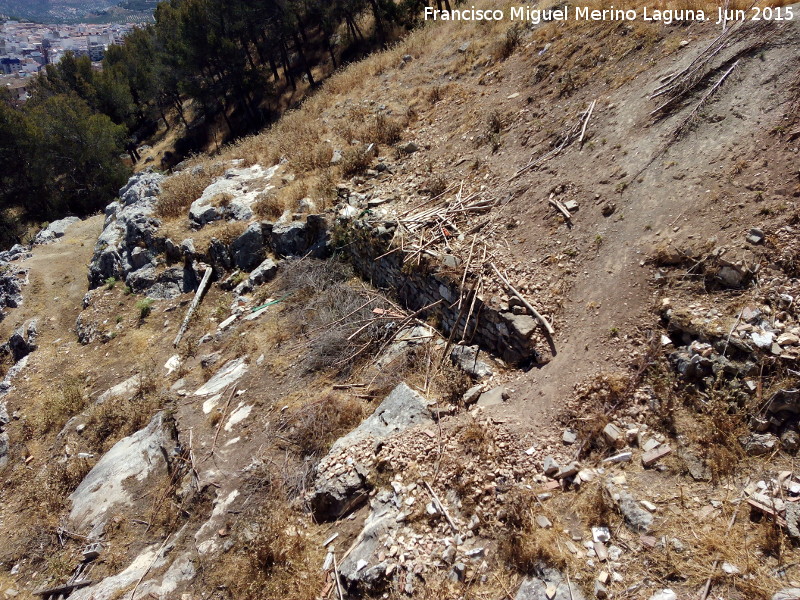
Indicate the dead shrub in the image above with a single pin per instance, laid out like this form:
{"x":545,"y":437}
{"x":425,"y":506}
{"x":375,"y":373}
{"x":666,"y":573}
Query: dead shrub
{"x":435,"y":95}
{"x":509,"y":43}
{"x":313,"y":428}
{"x":355,"y":161}
{"x":719,"y":433}
{"x":269,"y":205}
{"x":386,"y":130}
{"x":436,"y":185}
{"x":495,"y":122}
{"x":476,"y":440}
{"x":179,"y":191}
{"x":314,"y":157}
{"x":227,"y":231}
{"x":61,"y":404}
{"x":324,"y":189}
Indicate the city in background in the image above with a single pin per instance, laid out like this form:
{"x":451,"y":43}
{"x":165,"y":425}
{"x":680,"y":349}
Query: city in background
{"x":25,"y":48}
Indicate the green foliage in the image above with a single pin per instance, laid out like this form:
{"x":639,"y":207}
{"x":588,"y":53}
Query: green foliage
{"x":144,"y":307}
{"x":56,"y":156}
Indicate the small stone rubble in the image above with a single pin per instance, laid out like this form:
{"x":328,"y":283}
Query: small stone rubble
{"x":712,"y":344}
{"x":429,"y":515}
{"x":341,"y":480}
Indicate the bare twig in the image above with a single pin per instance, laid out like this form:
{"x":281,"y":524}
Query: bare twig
{"x":155,"y":558}
{"x":527,"y":304}
{"x":585,"y":123}
{"x":441,"y":507}
{"x":193,"y":306}
{"x":221,"y":422}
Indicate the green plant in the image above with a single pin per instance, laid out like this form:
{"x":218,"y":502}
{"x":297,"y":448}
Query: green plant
{"x":110,"y":283}
{"x":144,"y":307}
{"x":128,"y":290}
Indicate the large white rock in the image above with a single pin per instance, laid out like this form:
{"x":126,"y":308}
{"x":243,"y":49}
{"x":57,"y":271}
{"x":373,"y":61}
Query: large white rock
{"x":241,"y":185}
{"x":228,"y":374}
{"x":108,"y":485}
{"x":126,"y":390}
{"x":110,"y":587}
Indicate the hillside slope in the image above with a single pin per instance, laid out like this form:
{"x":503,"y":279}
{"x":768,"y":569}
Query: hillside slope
{"x":361,"y":406}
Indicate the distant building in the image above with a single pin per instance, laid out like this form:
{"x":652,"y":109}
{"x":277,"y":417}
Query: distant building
{"x":10,"y":65}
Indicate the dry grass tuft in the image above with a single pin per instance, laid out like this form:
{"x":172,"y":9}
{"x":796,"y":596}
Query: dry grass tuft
{"x":60,"y":404}
{"x":522,"y":544}
{"x":355,"y":161}
{"x":269,"y":205}
{"x":313,"y":428}
{"x":179,"y":191}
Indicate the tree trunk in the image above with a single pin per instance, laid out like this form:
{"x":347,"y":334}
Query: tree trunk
{"x":306,"y":65}
{"x":287,"y":69}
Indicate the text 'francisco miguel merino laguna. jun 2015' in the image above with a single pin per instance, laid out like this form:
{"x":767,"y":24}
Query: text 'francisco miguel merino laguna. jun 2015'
{"x":585,"y":13}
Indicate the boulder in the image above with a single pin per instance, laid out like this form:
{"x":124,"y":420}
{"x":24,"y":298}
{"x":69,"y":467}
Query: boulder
{"x":263,"y":272}
{"x":495,"y":396}
{"x":402,"y":409}
{"x":758,"y":444}
{"x":525,"y":325}
{"x":248,"y":249}
{"x":548,"y":584}
{"x":122,"y":471}
{"x":54,"y":230}
{"x":21,"y":343}
{"x":787,"y":594}
{"x":230,"y":372}
{"x":232,"y":195}
{"x":130,"y":233}
{"x":466,"y":358}
{"x":289,"y":239}
{"x":11,"y":282}
{"x":142,"y":186}
{"x":16,"y":252}
{"x":337,"y":491}
{"x":363,"y":572}
{"x":115,"y":586}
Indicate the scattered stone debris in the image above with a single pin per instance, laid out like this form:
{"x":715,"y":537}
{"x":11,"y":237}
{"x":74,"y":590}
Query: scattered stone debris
{"x":341,"y":480}
{"x":549,"y":584}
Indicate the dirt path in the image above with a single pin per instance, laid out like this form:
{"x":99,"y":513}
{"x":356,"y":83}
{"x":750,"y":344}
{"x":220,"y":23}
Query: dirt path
{"x":57,"y":283}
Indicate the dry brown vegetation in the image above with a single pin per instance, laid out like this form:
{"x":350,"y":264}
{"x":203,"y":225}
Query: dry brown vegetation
{"x":179,"y":191}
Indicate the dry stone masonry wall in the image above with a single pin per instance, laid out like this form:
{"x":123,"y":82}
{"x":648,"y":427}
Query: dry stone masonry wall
{"x":438,"y":279}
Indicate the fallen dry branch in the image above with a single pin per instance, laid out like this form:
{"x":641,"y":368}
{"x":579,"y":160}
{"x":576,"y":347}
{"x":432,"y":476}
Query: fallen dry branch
{"x":441,"y":507}
{"x":525,"y":303}
{"x":221,"y":422}
{"x":681,"y":128}
{"x":586,"y":122}
{"x":562,"y":209}
{"x":197,"y":297}
{"x":569,"y":135}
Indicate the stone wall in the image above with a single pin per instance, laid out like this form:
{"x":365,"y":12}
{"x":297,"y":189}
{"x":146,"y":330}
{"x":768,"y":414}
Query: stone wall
{"x":492,"y":325}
